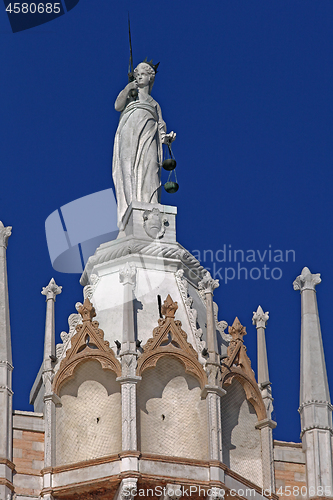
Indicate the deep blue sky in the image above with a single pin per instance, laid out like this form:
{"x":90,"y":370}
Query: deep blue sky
{"x":247,"y":86}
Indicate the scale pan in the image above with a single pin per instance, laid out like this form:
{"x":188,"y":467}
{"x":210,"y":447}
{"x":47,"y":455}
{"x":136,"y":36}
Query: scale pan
{"x":169,"y":164}
{"x":171,"y":187}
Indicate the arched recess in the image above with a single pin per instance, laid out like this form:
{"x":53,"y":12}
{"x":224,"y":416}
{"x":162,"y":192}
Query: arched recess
{"x":87,"y":344}
{"x":241,"y":440}
{"x":88,"y":421}
{"x":172,"y":416}
{"x":170,"y":340}
{"x":238,"y":365}
{"x":89,"y":396}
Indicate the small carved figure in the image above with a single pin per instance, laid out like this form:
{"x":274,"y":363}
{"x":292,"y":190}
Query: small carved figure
{"x":137,"y":152}
{"x":154,"y":223}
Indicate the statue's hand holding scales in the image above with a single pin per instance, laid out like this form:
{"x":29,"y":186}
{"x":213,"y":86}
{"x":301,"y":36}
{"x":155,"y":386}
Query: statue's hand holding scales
{"x":137,"y":153}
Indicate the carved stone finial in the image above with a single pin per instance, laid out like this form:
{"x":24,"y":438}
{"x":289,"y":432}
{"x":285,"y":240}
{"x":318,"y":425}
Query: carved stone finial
{"x":127,"y":274}
{"x":260,"y":318}
{"x":51,"y":290}
{"x":87,"y":311}
{"x":5,"y":232}
{"x":208,"y":284}
{"x":169,"y":307}
{"x":306,"y":280}
{"x":237,"y":330}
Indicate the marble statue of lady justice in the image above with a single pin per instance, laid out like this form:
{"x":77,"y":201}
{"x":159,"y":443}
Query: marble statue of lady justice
{"x":137,"y":152}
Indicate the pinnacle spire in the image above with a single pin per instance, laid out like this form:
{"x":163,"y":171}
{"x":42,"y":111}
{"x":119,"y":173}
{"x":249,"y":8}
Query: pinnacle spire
{"x":315,"y":405}
{"x":5,"y":340}
{"x":314,"y":383}
{"x":6,"y":422}
{"x":260,"y":319}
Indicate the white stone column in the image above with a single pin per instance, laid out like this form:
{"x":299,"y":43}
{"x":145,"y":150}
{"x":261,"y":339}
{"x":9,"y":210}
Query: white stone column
{"x":315,"y":404}
{"x":50,"y":399}
{"x":128,"y":379}
{"x":213,"y":391}
{"x":265,"y":426}
{"x":6,"y":368}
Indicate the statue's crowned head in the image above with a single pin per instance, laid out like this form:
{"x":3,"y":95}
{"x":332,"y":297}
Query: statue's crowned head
{"x":150,"y":69}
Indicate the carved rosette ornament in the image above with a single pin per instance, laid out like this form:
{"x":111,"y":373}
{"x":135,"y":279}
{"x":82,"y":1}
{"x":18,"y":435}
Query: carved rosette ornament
{"x":87,"y":344}
{"x":51,"y":290}
{"x":169,"y":339}
{"x":260,"y":318}
{"x":238,"y":365}
{"x":306,"y":280}
{"x":127,"y":274}
{"x":154,"y":223}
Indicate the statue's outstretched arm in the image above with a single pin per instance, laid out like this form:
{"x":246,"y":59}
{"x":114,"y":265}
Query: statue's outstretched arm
{"x":165,"y":138}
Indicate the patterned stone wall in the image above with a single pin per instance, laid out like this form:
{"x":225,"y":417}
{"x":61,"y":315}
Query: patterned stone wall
{"x":28,"y":456}
{"x":172,"y":417}
{"x":290,"y":472}
{"x":241,"y":440}
{"x":89,"y":420}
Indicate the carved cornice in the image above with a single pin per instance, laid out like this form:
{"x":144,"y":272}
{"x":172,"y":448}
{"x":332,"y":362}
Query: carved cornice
{"x":238,"y":365}
{"x":51,"y":290}
{"x":208,"y":284}
{"x":169,"y":339}
{"x":87,"y":344}
{"x":306,"y":280}
{"x":5,"y":232}
{"x":260,"y":318}
{"x":132,"y":247}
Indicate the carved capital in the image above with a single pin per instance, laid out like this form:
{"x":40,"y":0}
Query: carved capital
{"x":260,"y":318}
{"x":5,"y":232}
{"x":306,"y":280}
{"x":51,"y":290}
{"x":208,"y":284}
{"x":127,"y":274}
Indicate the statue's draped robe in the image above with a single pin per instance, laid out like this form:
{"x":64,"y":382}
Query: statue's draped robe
{"x":137,"y":154}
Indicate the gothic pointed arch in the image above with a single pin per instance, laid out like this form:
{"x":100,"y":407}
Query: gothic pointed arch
{"x":170,"y":340}
{"x":87,"y":344}
{"x":238,"y":365}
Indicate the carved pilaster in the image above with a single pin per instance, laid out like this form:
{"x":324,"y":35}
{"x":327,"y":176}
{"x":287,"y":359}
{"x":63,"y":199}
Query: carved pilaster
{"x":128,"y":401}
{"x":50,"y":291}
{"x":214,"y":424}
{"x":127,"y":278}
{"x":208,"y":285}
{"x":267,"y":451}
